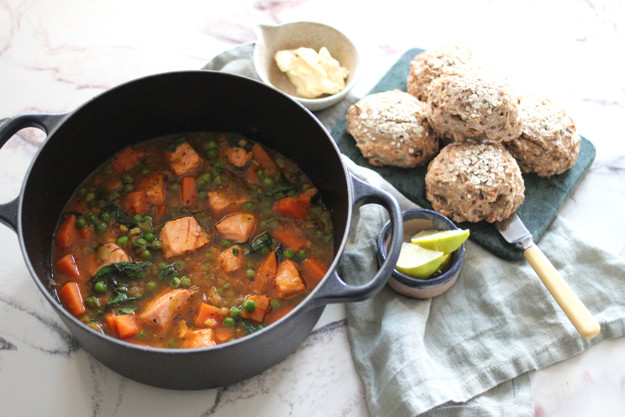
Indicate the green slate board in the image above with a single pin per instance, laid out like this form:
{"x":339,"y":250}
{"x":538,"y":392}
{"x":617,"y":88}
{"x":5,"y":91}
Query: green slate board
{"x":543,"y":197}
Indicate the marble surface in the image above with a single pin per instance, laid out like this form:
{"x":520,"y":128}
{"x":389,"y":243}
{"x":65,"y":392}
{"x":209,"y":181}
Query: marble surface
{"x":55,"y":55}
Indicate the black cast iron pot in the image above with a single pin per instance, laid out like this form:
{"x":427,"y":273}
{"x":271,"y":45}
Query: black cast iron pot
{"x":181,"y":102}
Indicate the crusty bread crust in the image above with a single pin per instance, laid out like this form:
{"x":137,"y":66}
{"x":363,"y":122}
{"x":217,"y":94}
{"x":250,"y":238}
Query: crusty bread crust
{"x":390,"y":128}
{"x":474,"y":182}
{"x":473,"y":104}
{"x":431,"y":64}
{"x":549,"y":143}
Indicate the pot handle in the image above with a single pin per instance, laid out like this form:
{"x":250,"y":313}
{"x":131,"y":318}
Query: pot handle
{"x":45,"y":122}
{"x":335,"y":289}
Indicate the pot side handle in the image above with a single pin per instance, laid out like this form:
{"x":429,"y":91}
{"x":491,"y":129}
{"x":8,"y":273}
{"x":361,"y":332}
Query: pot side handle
{"x":45,"y":122}
{"x":335,"y":289}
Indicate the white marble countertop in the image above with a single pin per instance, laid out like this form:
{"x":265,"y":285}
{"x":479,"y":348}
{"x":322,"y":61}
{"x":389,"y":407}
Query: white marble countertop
{"x":55,"y":55}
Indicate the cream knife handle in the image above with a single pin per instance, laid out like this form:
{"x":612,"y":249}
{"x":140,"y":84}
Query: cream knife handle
{"x":575,"y":310}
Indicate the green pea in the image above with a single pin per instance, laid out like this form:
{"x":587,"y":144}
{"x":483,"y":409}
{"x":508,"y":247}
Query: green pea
{"x":99,"y":287}
{"x":185,"y":282}
{"x":113,"y":195}
{"x":128,"y":187}
{"x":145,"y":171}
{"x":235,"y":312}
{"x":108,"y":170}
{"x":211,"y":152}
{"x":218,"y":180}
{"x":137,"y":218}
{"x":146,"y":254}
{"x":225,"y":243}
{"x":260,"y":173}
{"x":100,"y":227}
{"x":267,"y":181}
{"x":205,"y":177}
{"x":216,"y":171}
{"x":122,"y":240}
{"x":150,"y":286}
{"x":250,"y":273}
{"x":92,"y":218}
{"x":156,"y":245}
{"x":140,"y":242}
{"x":91,"y":301}
{"x":218,"y":163}
{"x":149,"y":236}
{"x":104,"y":216}
{"x":328,"y":238}
{"x":175,"y":186}
{"x":127,"y":178}
{"x":147,"y":219}
{"x":302,"y":253}
{"x":275,"y":304}
{"x":142,"y":334}
{"x":211,"y":144}
{"x":172,"y":342}
{"x":228,"y":322}
{"x":289,"y":253}
{"x":174,"y":282}
{"x":81,"y":223}
{"x":249,"y":306}
{"x":202,"y":195}
{"x":249,"y":205}
{"x":89,"y":197}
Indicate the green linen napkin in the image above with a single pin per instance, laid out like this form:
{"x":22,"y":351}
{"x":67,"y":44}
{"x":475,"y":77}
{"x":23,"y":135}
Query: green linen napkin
{"x":469,"y":350}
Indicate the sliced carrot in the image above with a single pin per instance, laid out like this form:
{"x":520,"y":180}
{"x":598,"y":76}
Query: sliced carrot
{"x":67,"y":265}
{"x":188,"y":191}
{"x":209,"y":315}
{"x":305,"y":197}
{"x":313,"y":271}
{"x":66,"y":231}
{"x":264,"y":160}
{"x":288,"y":280}
{"x":290,"y":207}
{"x":291,"y":238}
{"x":126,"y":325}
{"x":252,"y":175}
{"x":110,"y":322}
{"x":160,"y":211}
{"x":261,"y":303}
{"x":86,"y":232}
{"x":71,"y":298}
{"x":266,"y":272}
{"x":126,"y":159}
{"x":136,"y":202}
{"x":223,"y":334}
{"x":238,"y":156}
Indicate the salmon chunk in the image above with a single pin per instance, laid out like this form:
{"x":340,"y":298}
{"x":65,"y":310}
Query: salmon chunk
{"x":223,"y":203}
{"x":109,"y":254}
{"x":237,"y":227}
{"x":231,"y":259}
{"x":238,"y":156}
{"x":154,"y":187}
{"x":161,"y":311}
{"x":261,"y":307}
{"x":184,"y":160}
{"x":288,"y":280}
{"x":198,"y":338}
{"x":182,"y":236}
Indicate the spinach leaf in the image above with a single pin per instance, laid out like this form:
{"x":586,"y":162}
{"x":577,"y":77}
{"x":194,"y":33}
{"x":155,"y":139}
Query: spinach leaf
{"x":282,"y":188}
{"x":120,"y":270}
{"x":259,"y":242}
{"x":120,"y":216}
{"x":121,"y":296}
{"x":248,"y":326}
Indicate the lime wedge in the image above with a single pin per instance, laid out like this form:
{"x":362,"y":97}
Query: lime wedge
{"x":418,"y":262}
{"x":441,"y":240}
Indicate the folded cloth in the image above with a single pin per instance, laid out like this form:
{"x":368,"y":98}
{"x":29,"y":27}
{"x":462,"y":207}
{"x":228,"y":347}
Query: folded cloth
{"x":469,"y":350}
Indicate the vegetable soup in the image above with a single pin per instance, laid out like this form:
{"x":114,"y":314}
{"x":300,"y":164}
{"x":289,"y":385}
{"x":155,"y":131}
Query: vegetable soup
{"x":190,"y":240}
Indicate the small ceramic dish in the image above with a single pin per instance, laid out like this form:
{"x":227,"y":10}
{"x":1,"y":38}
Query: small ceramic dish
{"x":416,"y":220}
{"x":271,"y":39}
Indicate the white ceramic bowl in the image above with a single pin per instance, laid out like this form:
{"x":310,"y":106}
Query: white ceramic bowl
{"x":271,"y":39}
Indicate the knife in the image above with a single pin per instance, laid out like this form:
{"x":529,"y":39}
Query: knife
{"x":514,"y":231}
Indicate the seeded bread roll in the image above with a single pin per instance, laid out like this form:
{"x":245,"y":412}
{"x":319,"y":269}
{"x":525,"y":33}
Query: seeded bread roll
{"x":474,"y":182}
{"x":549,"y":142}
{"x":431,"y":64}
{"x":473,"y":104}
{"x":390,"y":128}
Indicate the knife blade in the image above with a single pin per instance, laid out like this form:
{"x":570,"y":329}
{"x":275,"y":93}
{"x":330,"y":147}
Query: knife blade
{"x":514,"y":231}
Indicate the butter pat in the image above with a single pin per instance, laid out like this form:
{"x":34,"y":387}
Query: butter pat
{"x":313,"y":74}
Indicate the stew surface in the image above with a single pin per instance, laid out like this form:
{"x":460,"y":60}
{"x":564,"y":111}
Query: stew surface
{"x":190,"y":241}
